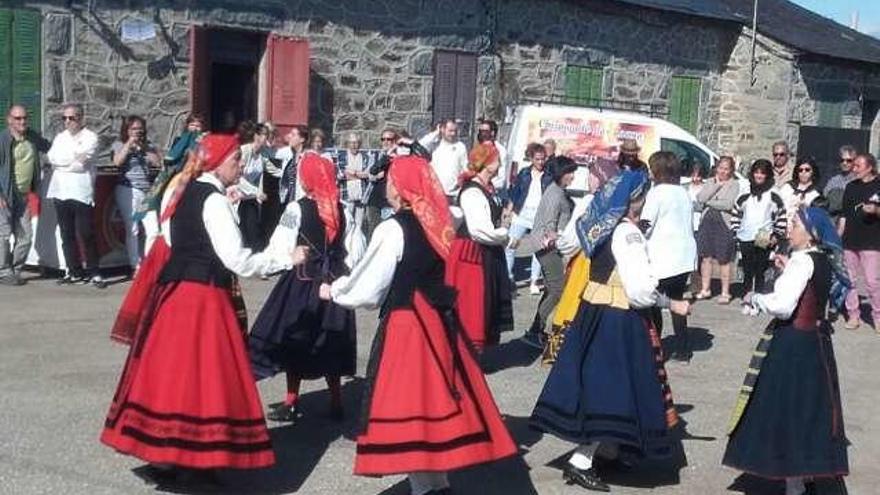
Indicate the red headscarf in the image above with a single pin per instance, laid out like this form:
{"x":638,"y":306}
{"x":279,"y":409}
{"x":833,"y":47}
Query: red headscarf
{"x":318,"y":177}
{"x":213,"y":150}
{"x":417,"y":184}
{"x":480,"y":155}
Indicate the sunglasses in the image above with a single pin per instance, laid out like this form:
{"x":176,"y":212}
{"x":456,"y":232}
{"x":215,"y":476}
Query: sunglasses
{"x":19,"y":117}
{"x":384,"y":139}
{"x":805,"y":169}
{"x":72,"y":118}
{"x":780,"y":154}
{"x":847,"y":160}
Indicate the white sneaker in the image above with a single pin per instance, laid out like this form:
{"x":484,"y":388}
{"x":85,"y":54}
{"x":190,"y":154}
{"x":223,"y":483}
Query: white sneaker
{"x":534,"y":290}
{"x":746,"y":310}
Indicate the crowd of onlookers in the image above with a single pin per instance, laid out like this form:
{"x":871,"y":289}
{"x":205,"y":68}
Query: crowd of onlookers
{"x":700,"y":226}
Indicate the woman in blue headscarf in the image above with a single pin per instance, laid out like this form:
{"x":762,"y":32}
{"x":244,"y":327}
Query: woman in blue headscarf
{"x":608,"y":385}
{"x":787,"y":423}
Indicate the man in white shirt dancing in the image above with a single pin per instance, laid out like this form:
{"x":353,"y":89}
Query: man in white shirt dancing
{"x":72,"y":189}
{"x":448,"y":156}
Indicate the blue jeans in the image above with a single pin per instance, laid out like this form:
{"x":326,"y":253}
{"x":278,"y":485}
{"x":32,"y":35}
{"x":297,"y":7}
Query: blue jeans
{"x":518,"y":231}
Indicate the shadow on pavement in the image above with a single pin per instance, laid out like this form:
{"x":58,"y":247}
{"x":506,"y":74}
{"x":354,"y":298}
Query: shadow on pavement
{"x":511,"y":354}
{"x":754,"y":485}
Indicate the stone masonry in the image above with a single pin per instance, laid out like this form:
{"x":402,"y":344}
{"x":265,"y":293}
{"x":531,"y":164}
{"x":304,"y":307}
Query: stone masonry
{"x":372,"y":63}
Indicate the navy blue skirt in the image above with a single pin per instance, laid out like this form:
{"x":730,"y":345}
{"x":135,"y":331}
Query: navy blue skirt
{"x":298,"y":332}
{"x":792,"y":424}
{"x":608,"y":384}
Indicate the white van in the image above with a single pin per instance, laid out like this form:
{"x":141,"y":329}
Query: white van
{"x":587,"y":135}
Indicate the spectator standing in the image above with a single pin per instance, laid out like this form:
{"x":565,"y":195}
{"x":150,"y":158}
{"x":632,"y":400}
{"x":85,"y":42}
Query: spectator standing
{"x":554,"y":212}
{"x":377,"y":203}
{"x":759,"y":222}
{"x":716,"y":242}
{"x":449,"y":157}
{"x":782,"y":169}
{"x":669,"y":213}
{"x":20,"y":149}
{"x":525,"y":196}
{"x":835,"y":186}
{"x":138,"y":163}
{"x":354,"y":169}
{"x":802,"y":190}
{"x":72,"y":189}
{"x":488,"y":132}
{"x":628,"y":158}
{"x":860,"y":226}
{"x":185,"y":143}
{"x":254,"y":139}
{"x":289,"y":156}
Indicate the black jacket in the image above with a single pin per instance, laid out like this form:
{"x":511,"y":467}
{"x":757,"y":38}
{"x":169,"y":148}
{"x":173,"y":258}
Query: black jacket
{"x":8,"y":190}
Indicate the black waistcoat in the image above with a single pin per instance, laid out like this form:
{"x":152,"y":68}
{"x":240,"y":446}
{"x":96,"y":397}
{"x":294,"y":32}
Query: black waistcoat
{"x":326,"y":261}
{"x":192,"y":255}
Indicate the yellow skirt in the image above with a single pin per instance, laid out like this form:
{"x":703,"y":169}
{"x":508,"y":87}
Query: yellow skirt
{"x":578,"y":274}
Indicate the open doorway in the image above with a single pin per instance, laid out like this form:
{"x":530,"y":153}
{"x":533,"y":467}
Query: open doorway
{"x":225,"y":75}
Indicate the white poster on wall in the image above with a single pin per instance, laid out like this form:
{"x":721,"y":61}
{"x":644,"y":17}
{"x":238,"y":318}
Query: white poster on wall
{"x":137,"y":30}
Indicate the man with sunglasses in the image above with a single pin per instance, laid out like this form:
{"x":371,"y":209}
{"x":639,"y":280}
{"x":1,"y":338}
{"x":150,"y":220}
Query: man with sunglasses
{"x":836,"y":185}
{"x":20,"y":149}
{"x":72,"y":189}
{"x":783,"y":172}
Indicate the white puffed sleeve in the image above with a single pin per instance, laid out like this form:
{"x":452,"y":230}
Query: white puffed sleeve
{"x":478,"y":216}
{"x":285,"y":235}
{"x":354,"y":240}
{"x":630,"y":250}
{"x":568,"y":243}
{"x":788,"y":288}
{"x":226,"y":240}
{"x":371,"y":278}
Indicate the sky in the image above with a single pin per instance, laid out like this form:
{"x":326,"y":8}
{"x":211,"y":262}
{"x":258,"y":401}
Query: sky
{"x":841,"y":11}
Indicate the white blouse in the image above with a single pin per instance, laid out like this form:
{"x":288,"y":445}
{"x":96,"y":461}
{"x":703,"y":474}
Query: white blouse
{"x":788,"y":288}
{"x":286,"y":234}
{"x":221,"y":223}
{"x":370,"y":279}
{"x":478,"y":216}
{"x":630,"y":250}
{"x":671,"y":242}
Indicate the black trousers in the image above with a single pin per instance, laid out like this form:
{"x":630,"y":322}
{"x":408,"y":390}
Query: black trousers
{"x":76,"y":221}
{"x":674,"y":288}
{"x":755,"y":262}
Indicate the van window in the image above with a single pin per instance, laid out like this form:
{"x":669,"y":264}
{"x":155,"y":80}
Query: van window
{"x":689,"y":155}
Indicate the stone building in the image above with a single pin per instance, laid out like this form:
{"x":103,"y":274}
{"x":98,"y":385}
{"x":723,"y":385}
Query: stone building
{"x":358,"y":65}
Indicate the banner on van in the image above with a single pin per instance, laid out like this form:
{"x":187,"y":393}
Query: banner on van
{"x":587,"y":141}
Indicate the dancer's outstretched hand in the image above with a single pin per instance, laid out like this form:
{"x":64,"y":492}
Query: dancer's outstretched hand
{"x":680,"y":307}
{"x":299,"y":255}
{"x":324,"y":292}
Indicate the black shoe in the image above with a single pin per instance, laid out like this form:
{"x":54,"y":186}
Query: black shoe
{"x":586,"y":478}
{"x":283,"y":414}
{"x":11,"y":280}
{"x":683,"y":357}
{"x":534,"y":339}
{"x":155,"y":475}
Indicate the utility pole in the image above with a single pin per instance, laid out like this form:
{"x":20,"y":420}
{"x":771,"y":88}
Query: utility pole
{"x":753,"y":62}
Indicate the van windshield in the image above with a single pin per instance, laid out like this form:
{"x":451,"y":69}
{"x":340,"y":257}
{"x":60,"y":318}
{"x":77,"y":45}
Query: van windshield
{"x":689,"y":155}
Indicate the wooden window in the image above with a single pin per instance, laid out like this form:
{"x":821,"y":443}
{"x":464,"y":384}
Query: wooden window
{"x":684,"y":102}
{"x":455,"y":88}
{"x":830,"y":114}
{"x":20,"y":61}
{"x":583,"y":85}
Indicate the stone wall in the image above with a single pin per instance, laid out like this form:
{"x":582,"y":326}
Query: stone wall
{"x":372,"y":62}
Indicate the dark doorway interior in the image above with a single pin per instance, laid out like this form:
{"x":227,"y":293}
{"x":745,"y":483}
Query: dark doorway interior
{"x":229,"y":71}
{"x":233,"y":95}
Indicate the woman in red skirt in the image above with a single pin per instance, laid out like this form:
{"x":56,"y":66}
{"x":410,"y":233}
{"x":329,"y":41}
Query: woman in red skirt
{"x":187,"y":397}
{"x":477,"y":266}
{"x":428,"y":409}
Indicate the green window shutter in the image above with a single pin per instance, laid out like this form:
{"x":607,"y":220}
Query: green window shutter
{"x":684,"y":102}
{"x":583,"y":85}
{"x":26,"y":63}
{"x":5,"y":59}
{"x":830,"y":114}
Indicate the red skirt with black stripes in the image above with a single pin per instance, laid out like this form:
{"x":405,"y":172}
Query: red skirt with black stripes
{"x":428,"y":405}
{"x":187,"y":395}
